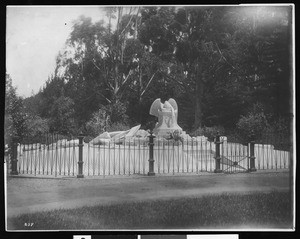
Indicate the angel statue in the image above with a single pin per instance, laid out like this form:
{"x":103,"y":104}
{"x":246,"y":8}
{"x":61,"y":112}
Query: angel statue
{"x":167,"y":115}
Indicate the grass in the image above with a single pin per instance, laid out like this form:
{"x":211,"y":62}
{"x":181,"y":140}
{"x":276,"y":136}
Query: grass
{"x":258,"y":210}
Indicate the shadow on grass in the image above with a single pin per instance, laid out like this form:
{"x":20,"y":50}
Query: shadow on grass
{"x":256,"y":210}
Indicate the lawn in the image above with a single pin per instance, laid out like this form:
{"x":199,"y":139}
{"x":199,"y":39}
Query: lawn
{"x":256,"y":210}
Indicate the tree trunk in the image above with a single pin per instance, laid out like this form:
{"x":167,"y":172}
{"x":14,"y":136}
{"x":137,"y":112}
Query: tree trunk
{"x":198,"y":98}
{"x":198,"y":105}
{"x":140,"y":96}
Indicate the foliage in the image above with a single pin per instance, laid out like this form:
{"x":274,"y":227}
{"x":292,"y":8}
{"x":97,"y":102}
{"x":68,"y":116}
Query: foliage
{"x":15,"y":117}
{"x":36,"y":128}
{"x":45,"y":138}
{"x":117,"y":126}
{"x":117,"y":112}
{"x":216,"y":62}
{"x":175,"y":136}
{"x":209,"y":132}
{"x":97,"y":124}
{"x":62,"y":116}
{"x":108,"y":118}
{"x":281,"y":125}
{"x":277,"y":133}
{"x":252,"y":125}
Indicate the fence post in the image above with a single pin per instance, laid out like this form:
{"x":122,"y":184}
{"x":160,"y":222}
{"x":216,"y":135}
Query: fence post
{"x":151,"y":160}
{"x":218,"y":156}
{"x":14,"y":157}
{"x":80,"y":157}
{"x":252,"y":157}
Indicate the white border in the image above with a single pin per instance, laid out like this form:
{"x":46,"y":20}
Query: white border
{"x":294,"y":121}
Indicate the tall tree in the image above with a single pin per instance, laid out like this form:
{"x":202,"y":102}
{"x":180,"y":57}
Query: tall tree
{"x":216,"y":61}
{"x":15,"y":117}
{"x":187,"y":38}
{"x":95,"y":62}
{"x":221,"y":57}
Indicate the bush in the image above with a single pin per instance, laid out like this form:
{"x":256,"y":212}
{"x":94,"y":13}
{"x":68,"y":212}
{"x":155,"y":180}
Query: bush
{"x":118,"y":126}
{"x":278,"y":134}
{"x":252,"y":124}
{"x":280,"y":126}
{"x":97,"y":124}
{"x":36,"y":125}
{"x":110,"y":117}
{"x":209,"y":132}
{"x":117,"y":112}
{"x":15,"y":116}
{"x":62,"y":116}
{"x":45,"y":138}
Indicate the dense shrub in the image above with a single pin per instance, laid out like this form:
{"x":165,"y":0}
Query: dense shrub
{"x":118,"y":126}
{"x":45,"y":138}
{"x":280,"y":126}
{"x":15,"y":117}
{"x":209,"y":132}
{"x":101,"y":121}
{"x":252,"y":125}
{"x":97,"y":124}
{"x":277,"y":133}
{"x":62,"y":116}
{"x":108,"y":118}
{"x":37,"y":125}
{"x":117,"y":112}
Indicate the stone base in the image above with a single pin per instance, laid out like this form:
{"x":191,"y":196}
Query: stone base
{"x":151,"y":173}
{"x":80,"y":176}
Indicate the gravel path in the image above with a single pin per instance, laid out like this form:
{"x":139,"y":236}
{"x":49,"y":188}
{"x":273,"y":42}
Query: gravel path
{"x":25,"y":195}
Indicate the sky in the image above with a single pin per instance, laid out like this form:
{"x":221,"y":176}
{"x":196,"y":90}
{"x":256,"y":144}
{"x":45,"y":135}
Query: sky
{"x":34,"y":36}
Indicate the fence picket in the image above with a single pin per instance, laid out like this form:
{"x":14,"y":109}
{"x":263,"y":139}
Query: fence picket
{"x":127,"y":156}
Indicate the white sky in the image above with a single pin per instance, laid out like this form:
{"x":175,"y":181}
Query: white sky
{"x":34,"y":36}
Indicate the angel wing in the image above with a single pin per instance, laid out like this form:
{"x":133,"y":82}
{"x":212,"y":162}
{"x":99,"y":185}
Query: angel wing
{"x":174,"y":105}
{"x":156,"y":105}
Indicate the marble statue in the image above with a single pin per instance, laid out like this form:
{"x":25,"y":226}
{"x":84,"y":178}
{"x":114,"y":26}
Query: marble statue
{"x":167,"y":115}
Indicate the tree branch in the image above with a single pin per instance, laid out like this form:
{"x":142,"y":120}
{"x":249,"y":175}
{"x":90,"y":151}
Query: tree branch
{"x":127,"y":24}
{"x":93,"y":61}
{"x":126,"y":78}
{"x":98,"y":93}
{"x":143,"y":92}
{"x":175,"y":80}
{"x":110,"y":85}
{"x":224,"y":57}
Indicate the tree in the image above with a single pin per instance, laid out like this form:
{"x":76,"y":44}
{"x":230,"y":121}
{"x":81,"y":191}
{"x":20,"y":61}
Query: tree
{"x":224,"y":59}
{"x":36,"y":128}
{"x":187,"y":39}
{"x":257,"y":48}
{"x":103,"y":66}
{"x":217,"y":62}
{"x":95,"y":65}
{"x":15,"y":117}
{"x":62,"y":116}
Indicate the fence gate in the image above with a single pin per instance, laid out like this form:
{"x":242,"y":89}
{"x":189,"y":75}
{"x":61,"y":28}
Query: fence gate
{"x":234,"y":157}
{"x":187,"y":156}
{"x":61,"y":156}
